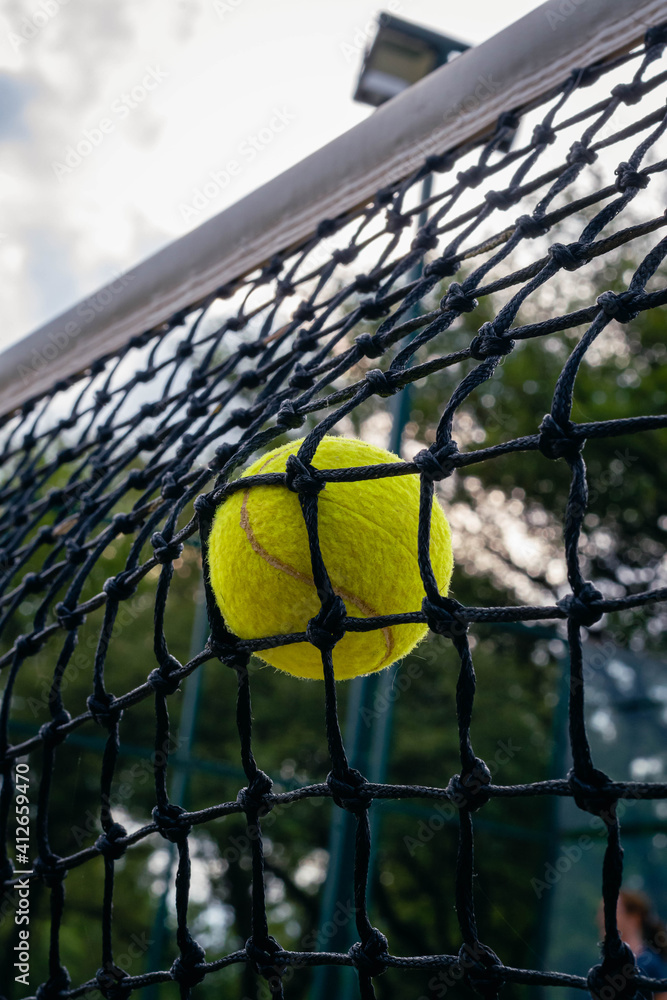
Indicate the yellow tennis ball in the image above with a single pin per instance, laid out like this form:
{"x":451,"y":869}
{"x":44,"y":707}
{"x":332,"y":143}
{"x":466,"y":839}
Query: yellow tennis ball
{"x":260,"y":567}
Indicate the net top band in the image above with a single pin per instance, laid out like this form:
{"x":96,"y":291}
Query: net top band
{"x":456,"y":104}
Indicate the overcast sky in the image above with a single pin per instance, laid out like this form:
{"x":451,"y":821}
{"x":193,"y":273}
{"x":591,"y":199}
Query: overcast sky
{"x":114,"y":114}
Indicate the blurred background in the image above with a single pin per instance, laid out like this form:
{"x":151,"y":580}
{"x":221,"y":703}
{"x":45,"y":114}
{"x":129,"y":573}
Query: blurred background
{"x":221,"y":73}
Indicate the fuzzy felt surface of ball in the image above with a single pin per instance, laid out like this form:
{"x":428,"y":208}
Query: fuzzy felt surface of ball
{"x":260,"y":565}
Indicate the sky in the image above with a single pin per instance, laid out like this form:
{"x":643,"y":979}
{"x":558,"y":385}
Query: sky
{"x":125,"y":125}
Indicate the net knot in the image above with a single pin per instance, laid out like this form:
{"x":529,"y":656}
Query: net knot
{"x":163,"y":683}
{"x":120,"y":587}
{"x":76,"y":554}
{"x":502,"y":199}
{"x":138,"y":479}
{"x":437,"y":463}
{"x":469,"y":790}
{"x":569,"y":256}
{"x":382,"y":382}
{"x":104,"y":434}
{"x":444,"y":617}
{"x":32,"y":583}
{"x":543,"y":135}
{"x":123,"y":524}
{"x":68,"y":618}
{"x":196,"y":408}
{"x":489,"y":344}
{"x":252,"y":799}
{"x":580,"y":607}
{"x":49,"y":732}
{"x":288,"y":415}
{"x":472,"y":177}
{"x":28,"y":645}
{"x":104,"y":709}
{"x":368,"y":345}
{"x":301,"y":477}
{"x":147,"y":442}
{"x":235,"y":323}
{"x":48,"y":871}
{"x":327,"y":227}
{"x":477,"y":960}
{"x":531,"y":226}
{"x":458,"y":299}
{"x":56,"y":987}
{"x":196,"y":381}
{"x":345,"y":255}
{"x":656,"y":36}
{"x":396,"y":221}
{"x":306,"y":341}
{"x":271,"y":270}
{"x":595,"y":795}
{"x":229,"y":653}
{"x":164,"y":550}
{"x":205,"y":507}
{"x":184,"y":350}
{"x":615,"y":978}
{"x":109,"y":981}
{"x":301,"y":378}
{"x":621,"y":307}
{"x":425,"y":239}
{"x":303,"y":313}
{"x":628,"y":93}
{"x":284,"y":288}
{"x":102,"y":397}
{"x":109,"y":843}
{"x":628,"y":177}
{"x":249,"y":348}
{"x":556,"y":441}
{"x":249,"y":380}
{"x":170,"y":488}
{"x":145,"y":375}
{"x":328,"y":626}
{"x":172,"y":822}
{"x":579,"y":153}
{"x":222,"y":455}
{"x":439,"y":162}
{"x":350,"y":790}
{"x":187,"y":968}
{"x":365,"y":283}
{"x":445,"y":267}
{"x":263,"y":958}
{"x":370,"y":956}
{"x":243,"y":418}
{"x":373,"y":310}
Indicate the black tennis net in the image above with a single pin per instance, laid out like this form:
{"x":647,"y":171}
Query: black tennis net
{"x":147,"y":441}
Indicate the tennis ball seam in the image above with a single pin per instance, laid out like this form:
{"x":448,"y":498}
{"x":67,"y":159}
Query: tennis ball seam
{"x":296,"y":574}
{"x":323,"y":498}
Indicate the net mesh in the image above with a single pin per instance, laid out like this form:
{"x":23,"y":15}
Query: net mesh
{"x":147,"y":441}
